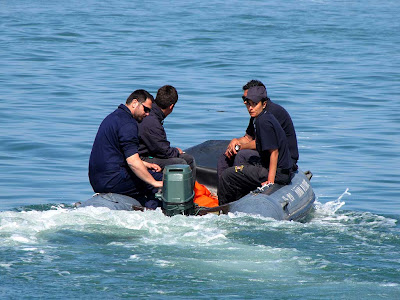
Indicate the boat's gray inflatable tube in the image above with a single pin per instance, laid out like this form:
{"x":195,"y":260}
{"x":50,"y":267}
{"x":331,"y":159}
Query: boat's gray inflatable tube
{"x":111,"y":201}
{"x":290,"y":202}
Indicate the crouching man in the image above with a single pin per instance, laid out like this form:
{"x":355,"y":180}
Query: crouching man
{"x":154,"y":146}
{"x":115,"y":165}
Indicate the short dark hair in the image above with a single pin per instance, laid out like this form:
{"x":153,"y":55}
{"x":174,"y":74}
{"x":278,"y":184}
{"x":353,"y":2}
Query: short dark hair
{"x":166,"y":95}
{"x":252,"y":83}
{"x":139,"y":95}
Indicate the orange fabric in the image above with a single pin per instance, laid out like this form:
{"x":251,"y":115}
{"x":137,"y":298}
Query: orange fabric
{"x":203,"y":197}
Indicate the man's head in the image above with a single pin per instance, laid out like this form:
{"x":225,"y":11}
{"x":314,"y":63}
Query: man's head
{"x":254,"y":97}
{"x":166,"y":98}
{"x":139,"y":103}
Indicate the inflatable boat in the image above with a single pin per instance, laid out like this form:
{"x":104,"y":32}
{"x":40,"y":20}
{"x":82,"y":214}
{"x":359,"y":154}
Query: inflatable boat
{"x":280,"y":202}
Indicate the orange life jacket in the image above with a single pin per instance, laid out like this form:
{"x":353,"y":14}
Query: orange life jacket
{"x":203,"y":197}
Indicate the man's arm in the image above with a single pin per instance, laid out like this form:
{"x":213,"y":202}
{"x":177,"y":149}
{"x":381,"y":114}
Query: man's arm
{"x":140,"y":170}
{"x":244,"y":142}
{"x":250,"y":145}
{"x":273,"y":163}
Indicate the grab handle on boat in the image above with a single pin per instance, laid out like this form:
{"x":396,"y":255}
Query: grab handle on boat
{"x":285,"y":204}
{"x":262,"y":188}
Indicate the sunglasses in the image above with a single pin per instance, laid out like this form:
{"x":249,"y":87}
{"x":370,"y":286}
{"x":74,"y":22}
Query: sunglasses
{"x":248,"y":101}
{"x":145,"y":108}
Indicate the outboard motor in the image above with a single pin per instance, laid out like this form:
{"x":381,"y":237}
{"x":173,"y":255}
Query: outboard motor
{"x":177,"y":192}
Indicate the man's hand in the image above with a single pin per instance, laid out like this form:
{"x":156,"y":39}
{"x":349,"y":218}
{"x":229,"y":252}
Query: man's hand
{"x":158,"y":184}
{"x":154,"y":167}
{"x":230,"y":150}
{"x":267,"y":182}
{"x":180,"y":150}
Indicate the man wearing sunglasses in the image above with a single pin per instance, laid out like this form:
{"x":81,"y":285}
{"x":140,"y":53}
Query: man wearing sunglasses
{"x":247,"y":144}
{"x":114,"y":164}
{"x":275,"y":162}
{"x":154,"y":146}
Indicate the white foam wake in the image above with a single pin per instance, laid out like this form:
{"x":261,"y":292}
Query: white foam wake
{"x":331,"y":207}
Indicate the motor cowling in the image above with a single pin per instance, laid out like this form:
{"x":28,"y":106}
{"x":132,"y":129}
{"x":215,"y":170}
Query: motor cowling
{"x":177,"y":192}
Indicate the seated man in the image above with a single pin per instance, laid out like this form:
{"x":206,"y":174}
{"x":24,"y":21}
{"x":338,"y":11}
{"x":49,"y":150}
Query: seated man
{"x":115,"y":165}
{"x":154,"y":146}
{"x":275,"y":163}
{"x":233,"y":157}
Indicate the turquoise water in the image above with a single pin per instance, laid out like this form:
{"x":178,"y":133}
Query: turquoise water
{"x":334,"y":65}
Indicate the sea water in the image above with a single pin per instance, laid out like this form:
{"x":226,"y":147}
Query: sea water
{"x":334,"y":65}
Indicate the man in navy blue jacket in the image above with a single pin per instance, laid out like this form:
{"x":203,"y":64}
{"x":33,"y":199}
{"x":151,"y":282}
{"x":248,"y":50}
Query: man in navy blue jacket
{"x":247,"y":143}
{"x":275,"y":162}
{"x":114,"y":164}
{"x":154,"y":146}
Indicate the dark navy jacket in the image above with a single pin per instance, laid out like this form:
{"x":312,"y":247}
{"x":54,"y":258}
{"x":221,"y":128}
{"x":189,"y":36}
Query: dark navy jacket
{"x":270,"y":136}
{"x":152,"y":137}
{"x":116,"y":140}
{"x":286,"y":123}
